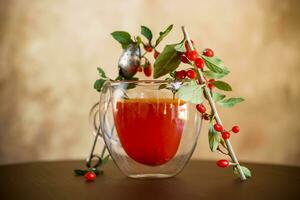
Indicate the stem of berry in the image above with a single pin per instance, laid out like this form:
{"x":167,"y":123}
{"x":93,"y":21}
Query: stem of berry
{"x":214,"y":109}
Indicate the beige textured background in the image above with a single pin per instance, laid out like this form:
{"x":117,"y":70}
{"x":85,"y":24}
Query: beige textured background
{"x":49,"y":51}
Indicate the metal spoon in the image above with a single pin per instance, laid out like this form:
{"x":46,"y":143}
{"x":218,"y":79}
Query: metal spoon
{"x":129,"y":61}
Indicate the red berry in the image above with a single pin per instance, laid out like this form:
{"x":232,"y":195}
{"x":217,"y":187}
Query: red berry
{"x":90,"y":176}
{"x":183,"y":58}
{"x":225,"y":135}
{"x":223,"y":163}
{"x":209,"y":85}
{"x":192,"y":55}
{"x":199,"y":63}
{"x":139,"y":69}
{"x":208,"y":52}
{"x":218,"y":127}
{"x":156,"y":54}
{"x":201,"y":108}
{"x":235,"y":129}
{"x":186,"y":44}
{"x":148,"y":70}
{"x":180,"y":74}
{"x":191,"y":74}
{"x":206,"y":116}
{"x":148,"y":48}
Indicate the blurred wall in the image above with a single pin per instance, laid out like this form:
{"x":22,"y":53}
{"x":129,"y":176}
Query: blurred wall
{"x":49,"y":51}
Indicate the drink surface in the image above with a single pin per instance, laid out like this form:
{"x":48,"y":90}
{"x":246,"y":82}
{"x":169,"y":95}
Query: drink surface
{"x":150,"y":129}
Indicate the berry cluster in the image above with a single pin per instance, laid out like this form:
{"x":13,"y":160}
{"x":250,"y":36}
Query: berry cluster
{"x":182,"y":74}
{"x":225,"y":134}
{"x":218,"y":128}
{"x":149,"y":48}
{"x":201,"y":109}
{"x":147,"y":68}
{"x":191,"y":57}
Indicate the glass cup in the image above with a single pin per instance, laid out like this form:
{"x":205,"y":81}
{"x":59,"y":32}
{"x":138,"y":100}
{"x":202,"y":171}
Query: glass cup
{"x":148,"y":132}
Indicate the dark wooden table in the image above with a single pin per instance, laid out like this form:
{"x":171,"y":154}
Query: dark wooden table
{"x":199,"y":180}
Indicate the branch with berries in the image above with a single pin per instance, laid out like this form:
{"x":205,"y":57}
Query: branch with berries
{"x":194,"y":84}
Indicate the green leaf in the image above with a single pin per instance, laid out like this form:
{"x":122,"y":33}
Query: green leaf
{"x":172,"y":74}
{"x":80,"y":172}
{"x":99,"y":84}
{"x":123,"y":38}
{"x":213,"y":75}
{"x":96,"y":171}
{"x":213,"y":137}
{"x":162,"y":86}
{"x":180,"y":47}
{"x":163,"y":34}
{"x":246,"y":171}
{"x":218,"y":97}
{"x":105,"y":160}
{"x":101,"y":72}
{"x":191,"y":92}
{"x":138,"y":40}
{"x":131,"y":85}
{"x":145,"y":31}
{"x":215,"y":64}
{"x":222,"y":85}
{"x":228,"y":103}
{"x":167,"y":61}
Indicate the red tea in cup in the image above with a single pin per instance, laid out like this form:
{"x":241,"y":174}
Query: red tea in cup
{"x":150,"y":129}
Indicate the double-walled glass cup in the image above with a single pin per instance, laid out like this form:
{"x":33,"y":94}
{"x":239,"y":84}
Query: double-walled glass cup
{"x":149,"y":132}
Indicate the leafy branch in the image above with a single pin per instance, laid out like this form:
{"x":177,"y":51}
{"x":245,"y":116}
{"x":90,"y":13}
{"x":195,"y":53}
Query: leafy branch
{"x":100,"y":82}
{"x":216,"y":65}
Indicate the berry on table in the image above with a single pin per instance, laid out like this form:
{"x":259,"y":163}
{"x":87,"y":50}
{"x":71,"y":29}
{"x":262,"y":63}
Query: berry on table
{"x":199,"y":63}
{"x":180,"y":74}
{"x":235,"y":129}
{"x":225,"y":135}
{"x":201,"y":108}
{"x":191,"y":74}
{"x":90,"y":176}
{"x":208,"y":52}
{"x":156,"y":54}
{"x":183,"y":58}
{"x":218,"y":127}
{"x":192,"y":55}
{"x":223,"y":163}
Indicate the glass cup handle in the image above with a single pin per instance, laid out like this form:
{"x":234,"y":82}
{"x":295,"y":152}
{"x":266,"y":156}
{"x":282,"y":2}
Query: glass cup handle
{"x":94,"y":160}
{"x":94,"y":119}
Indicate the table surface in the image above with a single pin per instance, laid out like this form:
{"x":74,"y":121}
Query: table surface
{"x":199,"y":180}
